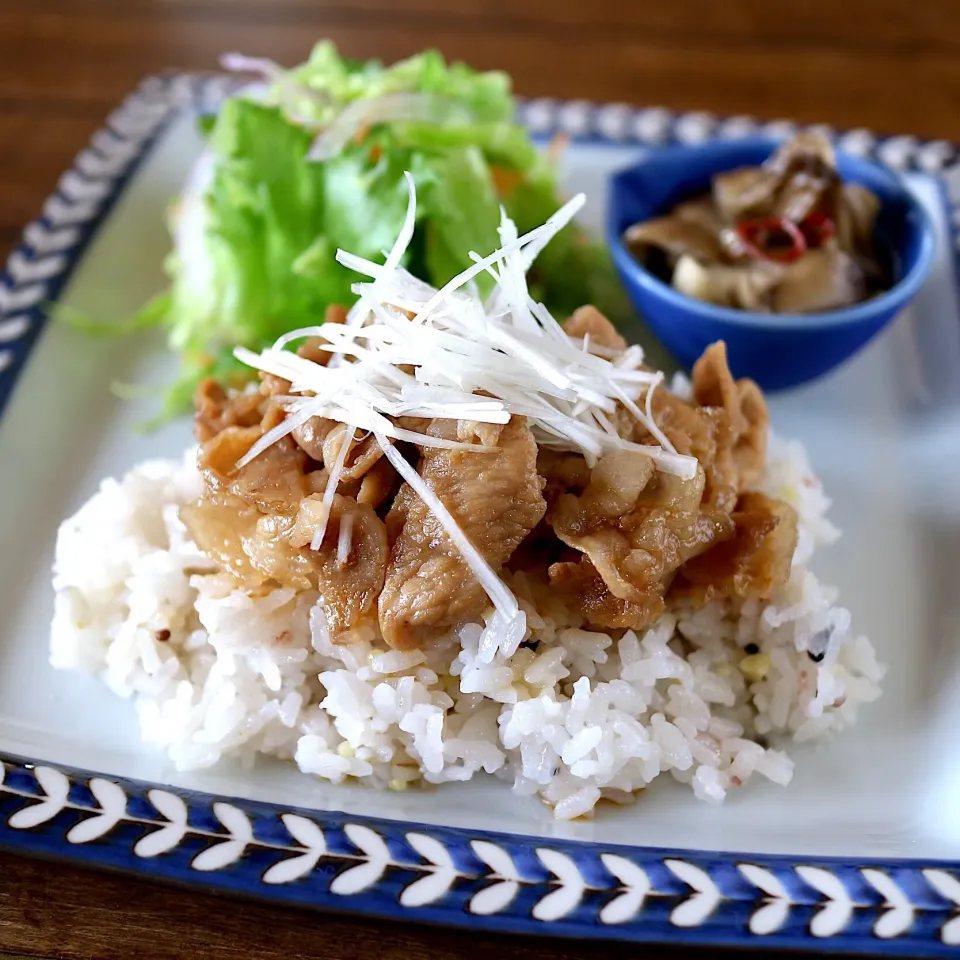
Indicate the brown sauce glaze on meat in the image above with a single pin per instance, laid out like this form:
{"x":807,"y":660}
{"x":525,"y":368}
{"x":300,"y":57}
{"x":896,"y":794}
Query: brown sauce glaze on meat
{"x":495,"y":498}
{"x":620,"y":541}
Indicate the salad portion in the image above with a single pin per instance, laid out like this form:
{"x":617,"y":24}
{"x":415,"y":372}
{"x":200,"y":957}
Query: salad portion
{"x":305,"y":161}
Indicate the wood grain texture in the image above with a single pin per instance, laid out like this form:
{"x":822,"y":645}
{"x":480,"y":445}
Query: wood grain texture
{"x":73,"y":914}
{"x":893,"y":65}
{"x":94,"y":57}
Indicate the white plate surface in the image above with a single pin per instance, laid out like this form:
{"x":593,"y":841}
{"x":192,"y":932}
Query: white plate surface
{"x":883,"y":432}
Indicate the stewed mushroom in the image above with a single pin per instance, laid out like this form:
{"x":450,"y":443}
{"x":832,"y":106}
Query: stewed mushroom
{"x":788,"y":236}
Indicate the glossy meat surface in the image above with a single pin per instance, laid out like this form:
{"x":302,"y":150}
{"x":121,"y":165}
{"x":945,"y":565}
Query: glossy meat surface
{"x":620,"y":541}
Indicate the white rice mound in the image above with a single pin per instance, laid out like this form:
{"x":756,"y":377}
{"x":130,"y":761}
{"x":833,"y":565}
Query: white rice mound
{"x":572,"y":716}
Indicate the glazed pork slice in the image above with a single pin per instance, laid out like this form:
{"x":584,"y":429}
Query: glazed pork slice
{"x":216,"y":409}
{"x":752,"y":564}
{"x":349,"y":567}
{"x":590,"y":322}
{"x":580,"y":585}
{"x":746,"y":409}
{"x":637,"y":525}
{"x":496,"y":499}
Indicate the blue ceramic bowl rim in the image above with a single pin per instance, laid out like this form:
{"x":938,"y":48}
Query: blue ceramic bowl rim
{"x":889,"y":301}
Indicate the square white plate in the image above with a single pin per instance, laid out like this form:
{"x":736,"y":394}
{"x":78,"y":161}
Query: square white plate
{"x":860,"y":828}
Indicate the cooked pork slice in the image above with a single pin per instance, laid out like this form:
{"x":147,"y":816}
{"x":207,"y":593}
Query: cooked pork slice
{"x":276,"y":557}
{"x":746,"y":409}
{"x":363,"y":454}
{"x":312,"y":348}
{"x":637,"y":525}
{"x":751,"y":565}
{"x":581,"y":586}
{"x":216,"y":409}
{"x":246,"y":514}
{"x":714,"y":386}
{"x":563,"y":472}
{"x":275,"y":481}
{"x":220,"y":524}
{"x":496,"y":499}
{"x":704,"y":433}
{"x":349,"y":566}
{"x":311,"y":434}
{"x":379,"y":484}
{"x":590,"y":322}
{"x":750,"y":449}
{"x":258,"y":548}
{"x":217,"y":458}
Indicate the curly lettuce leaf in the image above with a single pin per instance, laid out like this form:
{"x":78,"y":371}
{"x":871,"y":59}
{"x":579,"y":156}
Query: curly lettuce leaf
{"x":461,"y":212}
{"x":237,"y":241}
{"x":259,"y":224}
{"x":318,"y":89}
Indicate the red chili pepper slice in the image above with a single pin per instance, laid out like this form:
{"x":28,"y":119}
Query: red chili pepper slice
{"x":817,"y":228}
{"x":772,"y":238}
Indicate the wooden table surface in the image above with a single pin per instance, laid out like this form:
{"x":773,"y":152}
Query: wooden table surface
{"x":891,"y":65}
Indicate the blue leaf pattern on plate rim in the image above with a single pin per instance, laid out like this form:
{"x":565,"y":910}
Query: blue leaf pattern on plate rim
{"x":473,"y":878}
{"x":420,"y":871}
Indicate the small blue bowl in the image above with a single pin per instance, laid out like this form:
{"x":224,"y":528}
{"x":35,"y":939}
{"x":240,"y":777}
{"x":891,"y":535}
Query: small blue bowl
{"x":776,"y":350}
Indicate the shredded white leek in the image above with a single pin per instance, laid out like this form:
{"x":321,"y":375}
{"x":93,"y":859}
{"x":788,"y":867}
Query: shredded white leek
{"x":496,"y":589}
{"x":408,"y":349}
{"x":333,"y":482}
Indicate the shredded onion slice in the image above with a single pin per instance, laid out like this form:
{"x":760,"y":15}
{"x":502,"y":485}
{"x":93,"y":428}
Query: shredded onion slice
{"x":425,"y":107}
{"x":261,"y":66}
